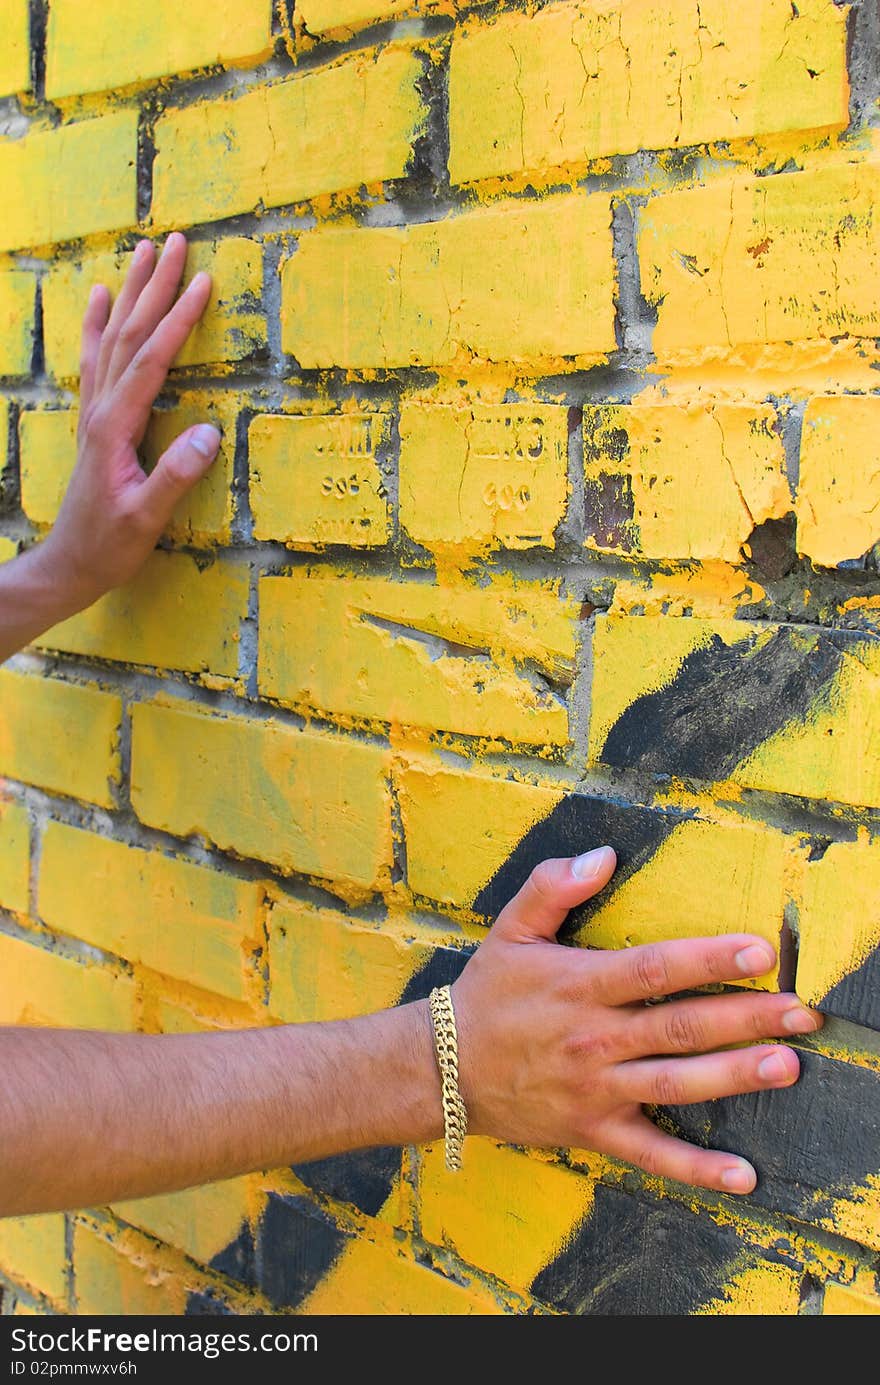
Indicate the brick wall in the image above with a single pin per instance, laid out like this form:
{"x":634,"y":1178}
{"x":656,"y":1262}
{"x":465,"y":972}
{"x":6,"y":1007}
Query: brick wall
{"x":544,"y":344}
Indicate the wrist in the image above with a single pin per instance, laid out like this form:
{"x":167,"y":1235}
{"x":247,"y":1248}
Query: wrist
{"x":68,"y":584}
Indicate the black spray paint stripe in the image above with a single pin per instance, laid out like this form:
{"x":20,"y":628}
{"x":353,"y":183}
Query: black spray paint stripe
{"x":724,"y":702}
{"x":857,"y":996}
{"x":634,"y":1257}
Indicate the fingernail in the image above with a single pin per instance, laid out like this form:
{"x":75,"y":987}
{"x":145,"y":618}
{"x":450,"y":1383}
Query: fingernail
{"x":198,"y":280}
{"x":754,"y":960}
{"x":205,"y":439}
{"x":140,"y":249}
{"x":739,"y":1178}
{"x":592,"y":863}
{"x":773,"y":1068}
{"x":798,"y":1020}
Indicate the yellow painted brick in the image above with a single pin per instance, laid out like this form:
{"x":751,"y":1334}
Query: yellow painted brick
{"x":8,"y":547}
{"x":204,"y":516}
{"x":301,"y":801}
{"x":327,"y":131}
{"x":434,"y":802}
{"x":112,"y":43}
{"x":110,"y":1283}
{"x":175,"y":614}
{"x":69,"y":182}
{"x":370,"y":1279}
{"x":839,"y":1299}
{"x":17,"y":321}
{"x":33,"y":1252}
{"x":839,"y":483}
{"x":482,"y":475}
{"x":676,"y":894}
{"x":671,"y":481}
{"x":320,"y":15}
{"x":47,"y":442}
{"x":202,"y":1222}
{"x":15,"y":836}
{"x":15,"y":52}
{"x":319,"y":479}
{"x":59,"y":736}
{"x":838,"y":920}
{"x":43,"y":988}
{"x":323,"y":966}
{"x":775,"y":259}
{"x":183,"y":920}
{"x":232,"y":327}
{"x":409,"y":653}
{"x":505,"y":1213}
{"x":763,"y":1290}
{"x":439,"y":293}
{"x":745,"y":709}
{"x":577,"y":82}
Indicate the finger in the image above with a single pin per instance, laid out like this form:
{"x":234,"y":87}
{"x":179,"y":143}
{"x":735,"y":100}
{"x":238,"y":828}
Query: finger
{"x":137,"y":389}
{"x":94,"y":321}
{"x":176,"y":472}
{"x":709,"y":1022}
{"x":641,"y":1143}
{"x":556,"y":885}
{"x":139,"y":271}
{"x":680,"y":964}
{"x":153,"y":303}
{"x":683,"y":1081}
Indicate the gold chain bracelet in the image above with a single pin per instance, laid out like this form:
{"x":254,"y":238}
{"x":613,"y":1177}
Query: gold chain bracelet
{"x":455,"y":1116}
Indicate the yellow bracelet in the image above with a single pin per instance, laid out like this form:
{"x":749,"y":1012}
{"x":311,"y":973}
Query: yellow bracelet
{"x":455,"y":1116}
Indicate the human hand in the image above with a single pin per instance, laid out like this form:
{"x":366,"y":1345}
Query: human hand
{"x":113,"y":513}
{"x":558,"y":1046}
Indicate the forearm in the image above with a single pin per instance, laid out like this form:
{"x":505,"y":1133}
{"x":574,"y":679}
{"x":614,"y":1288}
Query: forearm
{"x":91,"y":1118}
{"x":32,"y":599}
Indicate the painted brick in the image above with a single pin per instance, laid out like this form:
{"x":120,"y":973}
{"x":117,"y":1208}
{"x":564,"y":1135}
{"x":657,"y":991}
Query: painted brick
{"x":8,"y":547}
{"x":435,"y":801}
{"x":69,"y":182}
{"x":324,"y":966}
{"x":577,"y":82}
{"x":232,"y":328}
{"x":33,"y":1251}
{"x":110,"y":44}
{"x":781,"y":259}
{"x":151,"y":619}
{"x":439,"y":293}
{"x":110,"y":1282}
{"x":59,"y":736}
{"x":483,"y":475}
{"x":47,"y":443}
{"x":841,"y":1298}
{"x":183,"y":920}
{"x":43,"y":988}
{"x":202,"y":1222}
{"x":15,"y":837}
{"x":788,"y":708}
{"x":17,"y":322}
{"x":437,"y":657}
{"x":319,"y":479}
{"x":242,"y":785}
{"x":15,"y":73}
{"x":839,"y":931}
{"x":507,"y":1214}
{"x":839,"y":482}
{"x":319,"y":15}
{"x":681,"y":481}
{"x":286,"y":143}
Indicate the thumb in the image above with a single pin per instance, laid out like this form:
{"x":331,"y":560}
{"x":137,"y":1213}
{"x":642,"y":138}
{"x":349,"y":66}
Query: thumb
{"x":178,"y":469}
{"x":554,"y":887}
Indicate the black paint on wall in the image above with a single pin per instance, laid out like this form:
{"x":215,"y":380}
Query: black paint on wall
{"x":237,"y":1260}
{"x":364,"y":1178}
{"x":857,"y":996}
{"x":297,"y":1244}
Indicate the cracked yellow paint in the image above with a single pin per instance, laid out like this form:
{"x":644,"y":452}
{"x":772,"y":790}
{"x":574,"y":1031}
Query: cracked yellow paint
{"x":317,"y":479}
{"x":286,"y":143}
{"x":473,"y":477}
{"x":444,"y":658}
{"x":838,"y":499}
{"x":110,"y":43}
{"x":440,"y":293}
{"x":857,"y":1215}
{"x":781,"y":259}
{"x":838,"y":918}
{"x":577,"y":82}
{"x":681,"y":481}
